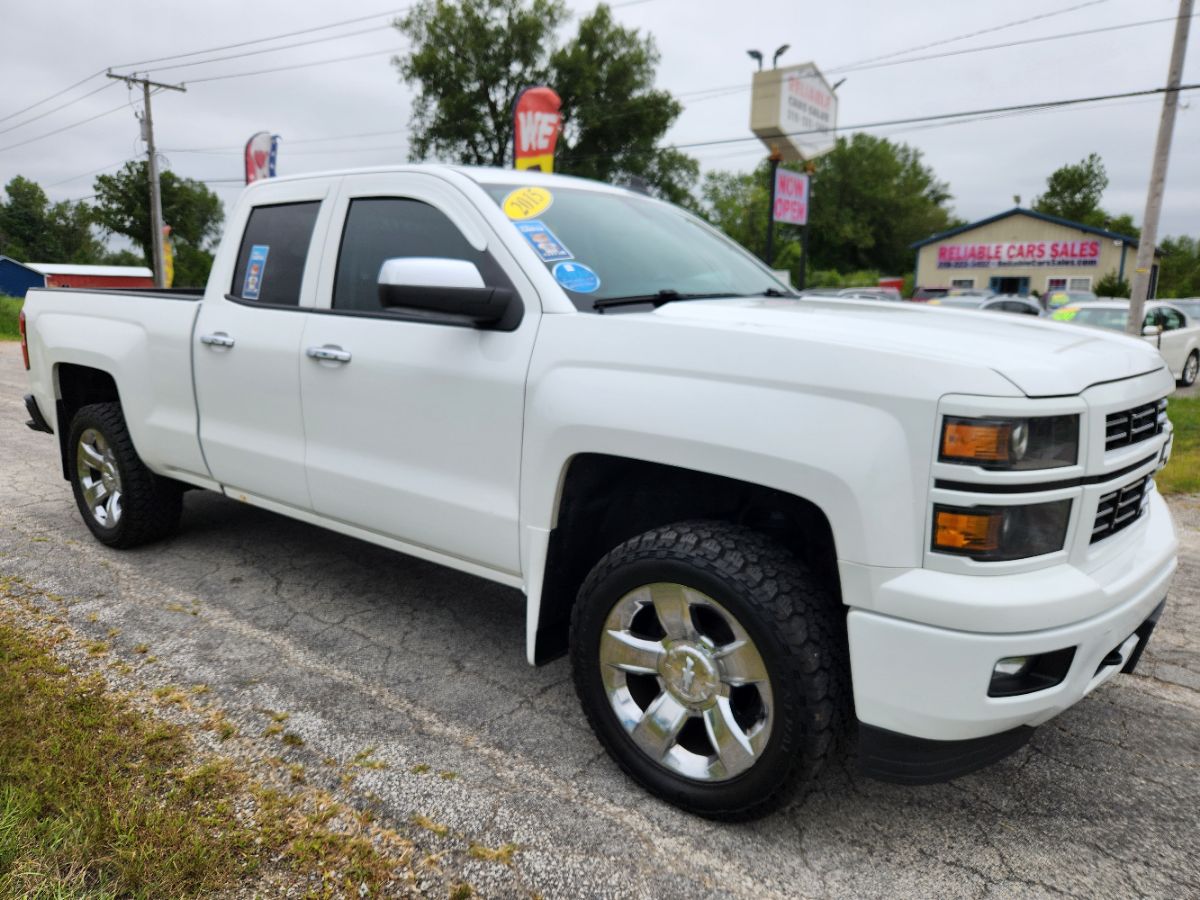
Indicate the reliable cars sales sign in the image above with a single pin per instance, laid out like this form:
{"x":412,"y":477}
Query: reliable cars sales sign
{"x":1031,"y":253}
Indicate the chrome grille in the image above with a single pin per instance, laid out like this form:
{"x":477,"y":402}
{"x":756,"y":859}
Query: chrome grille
{"x":1131,"y":426}
{"x":1120,"y":509}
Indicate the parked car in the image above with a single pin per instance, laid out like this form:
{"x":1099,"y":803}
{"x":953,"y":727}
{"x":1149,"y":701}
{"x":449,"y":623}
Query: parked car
{"x":1013,"y":303}
{"x":1055,"y":300}
{"x":751,"y":521}
{"x":1166,"y":326}
{"x":889,"y":294}
{"x":922,"y":294}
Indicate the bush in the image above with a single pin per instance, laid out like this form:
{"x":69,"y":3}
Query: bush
{"x":1112,"y":286}
{"x":10,"y":308}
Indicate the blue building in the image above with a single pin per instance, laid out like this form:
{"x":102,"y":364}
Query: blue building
{"x":16,"y":278}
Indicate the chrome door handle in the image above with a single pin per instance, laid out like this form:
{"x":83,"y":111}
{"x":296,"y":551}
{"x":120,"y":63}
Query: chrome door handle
{"x":333,"y":354}
{"x":217,"y":339}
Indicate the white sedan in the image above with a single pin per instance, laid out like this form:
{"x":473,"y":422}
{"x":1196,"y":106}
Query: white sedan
{"x":1175,"y":332}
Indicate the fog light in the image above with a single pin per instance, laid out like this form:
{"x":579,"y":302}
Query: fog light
{"x":1011,"y":666}
{"x":1016,"y":675}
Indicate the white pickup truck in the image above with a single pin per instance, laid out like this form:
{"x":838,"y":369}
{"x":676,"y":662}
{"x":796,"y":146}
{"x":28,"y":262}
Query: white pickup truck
{"x":757,"y":523}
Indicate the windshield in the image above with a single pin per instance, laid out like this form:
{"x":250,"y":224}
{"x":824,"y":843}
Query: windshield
{"x":604,"y":246}
{"x":1101,"y":318}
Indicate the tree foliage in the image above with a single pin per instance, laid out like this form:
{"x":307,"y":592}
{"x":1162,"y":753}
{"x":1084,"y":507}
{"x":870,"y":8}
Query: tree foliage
{"x":471,"y":58}
{"x":1179,"y":269}
{"x":192,"y":210}
{"x":1074,"y":191}
{"x":32,"y":229}
{"x":1112,"y":285}
{"x":870,"y":200}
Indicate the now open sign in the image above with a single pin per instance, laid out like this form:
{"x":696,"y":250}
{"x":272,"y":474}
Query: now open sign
{"x":791,"y":197}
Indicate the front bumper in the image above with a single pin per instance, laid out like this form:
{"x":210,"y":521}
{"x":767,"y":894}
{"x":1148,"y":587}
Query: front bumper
{"x":927,"y":682}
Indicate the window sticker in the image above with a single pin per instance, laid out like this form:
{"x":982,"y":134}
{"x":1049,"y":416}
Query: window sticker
{"x":527,"y":202}
{"x":548,"y":247}
{"x":254,"y":271}
{"x":576,"y":277}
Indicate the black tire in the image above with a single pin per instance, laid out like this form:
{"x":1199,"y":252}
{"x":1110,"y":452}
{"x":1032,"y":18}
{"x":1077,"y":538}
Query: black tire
{"x":150,"y":506}
{"x":1190,"y":369}
{"x":796,"y":624}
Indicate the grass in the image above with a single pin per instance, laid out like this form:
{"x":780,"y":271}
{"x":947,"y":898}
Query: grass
{"x":10,"y":307}
{"x":100,"y":800}
{"x":1182,"y":474}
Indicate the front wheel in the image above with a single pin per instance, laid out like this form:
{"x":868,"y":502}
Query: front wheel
{"x":1191,"y":369}
{"x":121,"y":501}
{"x":710,"y":664}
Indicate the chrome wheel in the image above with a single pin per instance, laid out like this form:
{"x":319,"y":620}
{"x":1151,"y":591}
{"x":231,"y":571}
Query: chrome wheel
{"x":1191,"y":369}
{"x":99,"y":477}
{"x":686,"y":682}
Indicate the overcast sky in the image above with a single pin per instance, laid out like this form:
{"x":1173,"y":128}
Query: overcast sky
{"x":703,"y":45}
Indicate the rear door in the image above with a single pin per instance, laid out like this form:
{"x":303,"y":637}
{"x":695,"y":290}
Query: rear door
{"x":246,"y":345}
{"x":1174,"y":338}
{"x":414,"y":432}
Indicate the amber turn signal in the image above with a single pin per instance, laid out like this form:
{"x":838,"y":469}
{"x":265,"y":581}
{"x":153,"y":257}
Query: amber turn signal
{"x":984,"y":441}
{"x":967,"y":532}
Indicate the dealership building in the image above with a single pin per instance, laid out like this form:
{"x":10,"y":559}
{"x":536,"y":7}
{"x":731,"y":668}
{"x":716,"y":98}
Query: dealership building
{"x":1021,"y":251}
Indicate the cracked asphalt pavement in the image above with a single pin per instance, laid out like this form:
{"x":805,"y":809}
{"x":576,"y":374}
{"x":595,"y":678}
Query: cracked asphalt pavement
{"x":364,"y":647}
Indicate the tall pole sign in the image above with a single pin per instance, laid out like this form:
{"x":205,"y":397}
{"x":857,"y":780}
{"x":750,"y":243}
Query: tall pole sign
{"x":536,"y":124}
{"x":793,"y":111}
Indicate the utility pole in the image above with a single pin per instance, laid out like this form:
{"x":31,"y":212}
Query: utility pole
{"x":156,"y":216}
{"x":774,"y":159}
{"x":1158,"y":173}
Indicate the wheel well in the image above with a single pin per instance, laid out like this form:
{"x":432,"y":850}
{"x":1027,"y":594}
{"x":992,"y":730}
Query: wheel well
{"x":77,"y":387}
{"x":608,"y":499}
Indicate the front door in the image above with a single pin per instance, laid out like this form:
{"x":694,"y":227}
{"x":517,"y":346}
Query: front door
{"x":414,"y":425}
{"x":246,"y":352}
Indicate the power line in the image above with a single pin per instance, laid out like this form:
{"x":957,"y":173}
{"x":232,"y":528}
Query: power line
{"x":53,"y":96}
{"x":48,"y":112}
{"x":119,"y":162}
{"x":982,"y":31}
{"x":65,"y":128}
{"x":263,"y":40}
{"x":306,"y":65}
{"x":320,"y":40}
{"x":1048,"y":104}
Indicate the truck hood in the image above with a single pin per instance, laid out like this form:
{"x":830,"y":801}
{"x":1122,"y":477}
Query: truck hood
{"x":1042,"y":358}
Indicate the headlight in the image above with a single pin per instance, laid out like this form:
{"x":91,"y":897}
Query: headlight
{"x":999,"y":533}
{"x":1042,"y":442}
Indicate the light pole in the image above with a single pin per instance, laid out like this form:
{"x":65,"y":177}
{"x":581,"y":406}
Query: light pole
{"x":778,"y":53}
{"x":755,"y":55}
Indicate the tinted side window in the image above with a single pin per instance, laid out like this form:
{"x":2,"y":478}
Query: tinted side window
{"x":1171,"y":318}
{"x":379,"y":228}
{"x":270,"y":265}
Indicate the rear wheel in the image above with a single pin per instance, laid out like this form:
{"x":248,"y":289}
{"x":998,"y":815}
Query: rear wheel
{"x":1191,"y":369}
{"x":121,"y":501}
{"x":710,"y":664}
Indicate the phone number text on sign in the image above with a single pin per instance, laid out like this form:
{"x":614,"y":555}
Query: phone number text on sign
{"x":791,"y":197}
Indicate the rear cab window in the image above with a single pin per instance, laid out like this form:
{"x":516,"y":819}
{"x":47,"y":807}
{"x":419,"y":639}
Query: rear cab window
{"x":274,"y":249}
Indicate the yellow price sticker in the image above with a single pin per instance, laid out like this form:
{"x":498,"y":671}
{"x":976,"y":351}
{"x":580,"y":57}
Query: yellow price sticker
{"x":527,"y":202}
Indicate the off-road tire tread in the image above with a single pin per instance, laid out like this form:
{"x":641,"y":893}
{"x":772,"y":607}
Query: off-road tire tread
{"x":808,"y":617}
{"x":151,"y":505}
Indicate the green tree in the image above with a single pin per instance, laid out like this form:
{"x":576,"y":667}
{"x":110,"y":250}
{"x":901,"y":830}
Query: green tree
{"x":871,"y":199}
{"x":34,"y":229}
{"x":192,"y":210}
{"x":1112,"y":285}
{"x":1074,"y":191}
{"x":1179,"y":269}
{"x":613,"y":117}
{"x":471,"y":58}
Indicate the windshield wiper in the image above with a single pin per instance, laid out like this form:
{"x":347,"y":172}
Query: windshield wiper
{"x":666,"y":295}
